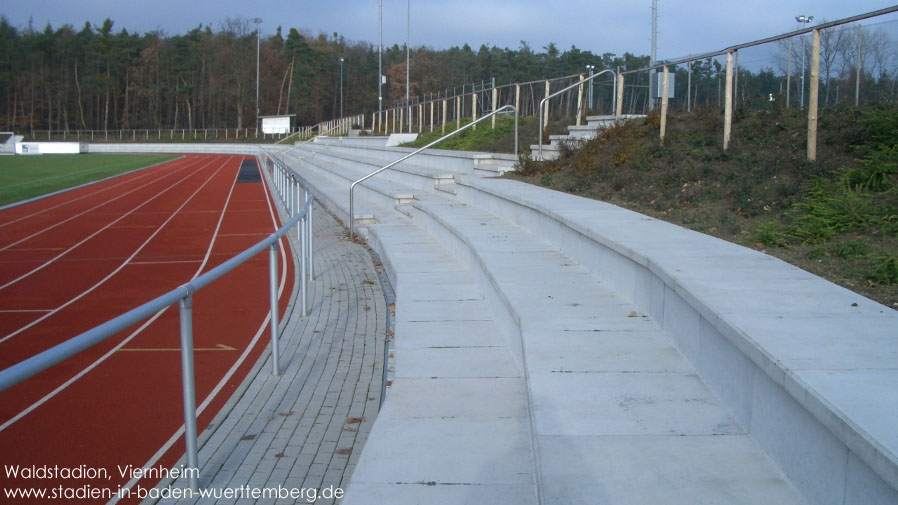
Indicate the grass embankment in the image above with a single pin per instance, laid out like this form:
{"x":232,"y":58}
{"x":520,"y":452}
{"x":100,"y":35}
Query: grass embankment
{"x":484,"y":137}
{"x":27,"y":176}
{"x":837,"y":217}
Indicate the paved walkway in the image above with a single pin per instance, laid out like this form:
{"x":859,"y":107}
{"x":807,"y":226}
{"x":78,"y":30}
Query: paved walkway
{"x":305,"y":429}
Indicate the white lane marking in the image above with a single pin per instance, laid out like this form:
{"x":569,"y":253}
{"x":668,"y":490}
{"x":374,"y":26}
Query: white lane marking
{"x":92,"y":235}
{"x":218,"y":387}
{"x":75,"y":216}
{"x":126,"y":180}
{"x":136,"y":332}
{"x":123,"y":264}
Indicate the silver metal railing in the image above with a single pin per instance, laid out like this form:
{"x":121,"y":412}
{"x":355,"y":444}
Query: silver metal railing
{"x":572,"y":86}
{"x":287,"y":186}
{"x":428,"y":146}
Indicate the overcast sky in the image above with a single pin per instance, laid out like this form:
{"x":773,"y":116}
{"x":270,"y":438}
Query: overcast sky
{"x":685,"y":26}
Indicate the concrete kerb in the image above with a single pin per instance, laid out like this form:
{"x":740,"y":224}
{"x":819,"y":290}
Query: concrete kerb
{"x":570,"y":214}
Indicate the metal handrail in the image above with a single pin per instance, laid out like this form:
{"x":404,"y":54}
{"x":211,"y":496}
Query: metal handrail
{"x":428,"y":146}
{"x":572,"y":86}
{"x":183,"y":295}
{"x":822,"y":26}
{"x":337,"y":126}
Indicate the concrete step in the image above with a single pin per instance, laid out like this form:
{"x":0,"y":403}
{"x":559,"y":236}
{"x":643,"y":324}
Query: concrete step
{"x":406,"y":173}
{"x":334,"y":194}
{"x":808,"y":367}
{"x":456,"y":162}
{"x":456,"y":419}
{"x":549,"y":152}
{"x":384,"y":193}
{"x":603,"y":377}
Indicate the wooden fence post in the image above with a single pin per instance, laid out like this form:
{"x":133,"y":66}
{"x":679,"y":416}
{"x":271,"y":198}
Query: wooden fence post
{"x":474,"y":110}
{"x":728,"y":103}
{"x":664,"y":99}
{"x":619,"y":106}
{"x":814,"y":97}
{"x":580,"y":101}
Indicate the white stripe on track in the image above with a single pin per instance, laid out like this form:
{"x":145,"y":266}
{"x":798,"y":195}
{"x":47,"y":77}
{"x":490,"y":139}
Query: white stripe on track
{"x":146,"y":173}
{"x":224,"y":380}
{"x":75,"y":216}
{"x":92,"y":235}
{"x":136,"y":332}
{"x":124,"y":263}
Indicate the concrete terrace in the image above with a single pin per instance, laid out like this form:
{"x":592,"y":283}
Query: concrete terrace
{"x":551,"y":349}
{"x":555,"y":350}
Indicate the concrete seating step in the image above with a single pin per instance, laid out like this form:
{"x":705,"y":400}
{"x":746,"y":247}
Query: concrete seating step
{"x":456,"y":418}
{"x":602,"y":377}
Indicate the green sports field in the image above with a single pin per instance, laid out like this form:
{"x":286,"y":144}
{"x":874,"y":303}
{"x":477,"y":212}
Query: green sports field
{"x":23,"y":177}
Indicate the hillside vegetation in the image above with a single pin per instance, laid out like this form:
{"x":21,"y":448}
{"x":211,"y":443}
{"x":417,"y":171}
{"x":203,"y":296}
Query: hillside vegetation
{"x":837,"y":217}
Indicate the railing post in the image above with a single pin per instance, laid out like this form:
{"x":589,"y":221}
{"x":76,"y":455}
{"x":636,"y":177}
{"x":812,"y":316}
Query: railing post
{"x":495,"y":105}
{"x":445,"y":105}
{"x":728,"y":103}
{"x":303,"y":280}
{"x":580,"y":100}
{"x":474,"y":110}
{"x":546,"y":114}
{"x":311,"y":240}
{"x":189,"y":389}
{"x":664,"y":100}
{"x":813,"y":98}
{"x":275,"y":320}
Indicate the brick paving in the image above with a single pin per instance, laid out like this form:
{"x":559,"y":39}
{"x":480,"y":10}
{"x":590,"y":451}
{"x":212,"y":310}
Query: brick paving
{"x":306,"y":428}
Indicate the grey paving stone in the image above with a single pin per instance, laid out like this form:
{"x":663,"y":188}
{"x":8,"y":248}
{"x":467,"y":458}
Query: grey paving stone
{"x":285,"y":431}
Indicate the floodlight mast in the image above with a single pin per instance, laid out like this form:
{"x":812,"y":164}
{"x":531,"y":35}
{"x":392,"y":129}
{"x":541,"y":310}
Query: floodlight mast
{"x":380,"y":52}
{"x":257,"y":21}
{"x":801,"y":18}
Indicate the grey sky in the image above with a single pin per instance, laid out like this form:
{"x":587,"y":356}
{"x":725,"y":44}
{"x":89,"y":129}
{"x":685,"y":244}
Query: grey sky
{"x":686,"y":26}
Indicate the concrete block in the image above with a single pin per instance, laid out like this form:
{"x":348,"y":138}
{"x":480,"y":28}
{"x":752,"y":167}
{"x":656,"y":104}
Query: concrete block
{"x":603,"y":404}
{"x":813,"y":459}
{"x":685,"y":470}
{"x":727,"y":371}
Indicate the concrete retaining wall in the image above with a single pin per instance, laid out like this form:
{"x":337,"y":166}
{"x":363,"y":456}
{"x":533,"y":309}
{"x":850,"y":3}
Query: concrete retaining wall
{"x":248,"y":149}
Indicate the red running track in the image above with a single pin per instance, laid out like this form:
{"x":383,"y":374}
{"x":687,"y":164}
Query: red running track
{"x":75,"y":260}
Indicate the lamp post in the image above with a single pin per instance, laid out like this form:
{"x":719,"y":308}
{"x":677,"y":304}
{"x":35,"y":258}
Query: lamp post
{"x":408,"y":38}
{"x":341,"y":87}
{"x":590,"y":68}
{"x":257,"y":21}
{"x":380,"y":52}
{"x":803,"y":19}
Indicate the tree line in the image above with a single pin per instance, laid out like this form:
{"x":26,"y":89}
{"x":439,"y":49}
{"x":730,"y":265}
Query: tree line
{"x":99,"y":78}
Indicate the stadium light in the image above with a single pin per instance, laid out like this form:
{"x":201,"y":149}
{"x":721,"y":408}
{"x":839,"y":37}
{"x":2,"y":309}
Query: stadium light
{"x":803,"y":19}
{"x":590,"y":68}
{"x":341,"y":87}
{"x":257,"y":21}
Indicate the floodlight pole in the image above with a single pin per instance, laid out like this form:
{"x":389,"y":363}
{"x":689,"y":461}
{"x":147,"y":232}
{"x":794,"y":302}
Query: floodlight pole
{"x":408,"y":38}
{"x":257,"y":21}
{"x":589,"y":100}
{"x":341,"y":88}
{"x":803,"y":19}
{"x":380,"y":52}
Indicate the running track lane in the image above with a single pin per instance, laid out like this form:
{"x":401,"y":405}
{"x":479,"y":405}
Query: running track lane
{"x":88,"y":247}
{"x":122,"y":411}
